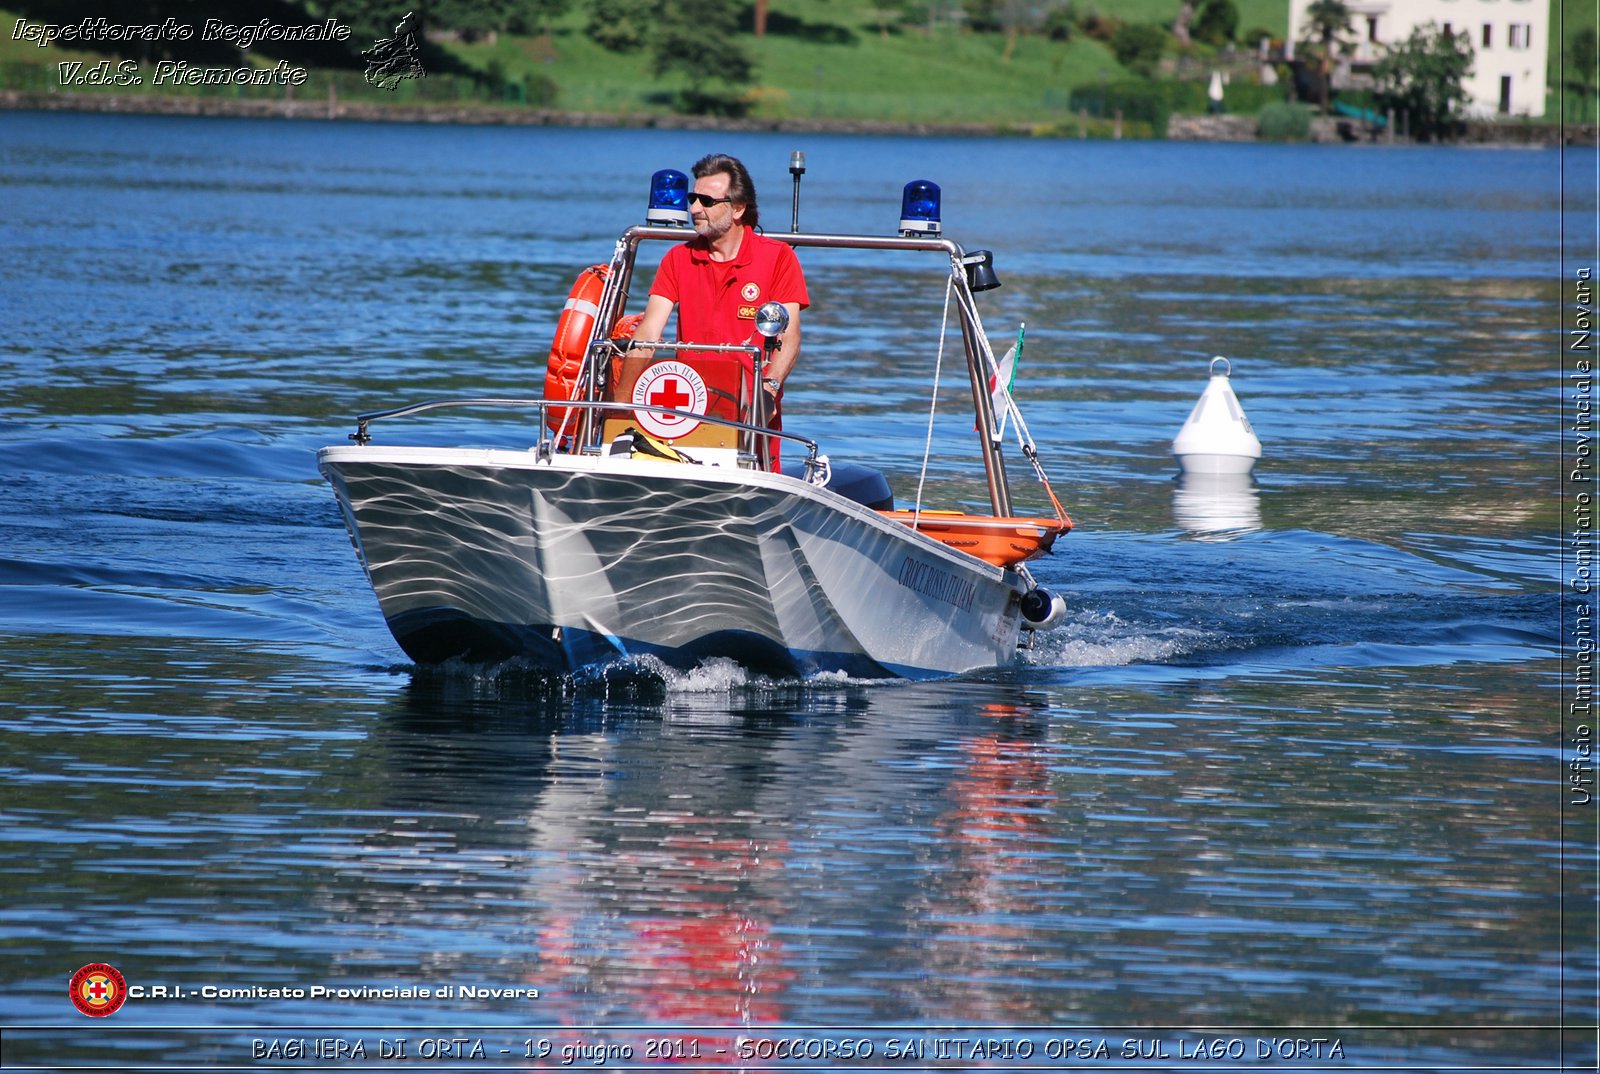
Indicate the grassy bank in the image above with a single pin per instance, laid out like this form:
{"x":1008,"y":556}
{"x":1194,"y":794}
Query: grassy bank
{"x":835,"y":60}
{"x":822,"y":60}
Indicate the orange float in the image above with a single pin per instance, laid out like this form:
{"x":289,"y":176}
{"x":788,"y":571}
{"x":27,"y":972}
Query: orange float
{"x":572,"y":341}
{"x":1005,"y":542}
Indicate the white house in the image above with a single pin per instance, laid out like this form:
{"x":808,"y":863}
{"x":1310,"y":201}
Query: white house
{"x":1510,"y":42}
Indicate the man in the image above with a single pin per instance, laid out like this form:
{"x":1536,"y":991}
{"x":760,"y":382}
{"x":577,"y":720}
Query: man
{"x":718,"y":280}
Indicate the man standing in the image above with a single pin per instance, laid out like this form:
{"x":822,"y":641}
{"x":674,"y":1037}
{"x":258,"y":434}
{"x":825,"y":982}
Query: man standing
{"x":718,"y":280}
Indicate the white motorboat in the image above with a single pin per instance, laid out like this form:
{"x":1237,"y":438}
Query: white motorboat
{"x":656,"y":526}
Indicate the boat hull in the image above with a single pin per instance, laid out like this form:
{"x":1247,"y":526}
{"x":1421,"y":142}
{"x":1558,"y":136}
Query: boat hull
{"x":577,"y":561}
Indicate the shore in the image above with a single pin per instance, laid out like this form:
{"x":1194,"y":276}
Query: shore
{"x":486,"y":115}
{"x":1218,"y":128}
{"x":1337,"y":130}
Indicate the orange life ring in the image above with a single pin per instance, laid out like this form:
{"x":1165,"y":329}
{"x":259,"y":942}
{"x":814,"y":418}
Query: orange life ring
{"x":572,"y":340}
{"x":625,"y":327}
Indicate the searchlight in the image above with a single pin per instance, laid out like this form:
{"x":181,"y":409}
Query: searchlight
{"x":669,"y":199}
{"x":980,"y":270}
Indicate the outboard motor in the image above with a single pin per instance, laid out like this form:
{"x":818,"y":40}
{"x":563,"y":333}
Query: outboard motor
{"x":1042,"y":609}
{"x":853,"y":481}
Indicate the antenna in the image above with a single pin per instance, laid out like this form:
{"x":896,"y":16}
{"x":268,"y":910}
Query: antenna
{"x":797,"y":168}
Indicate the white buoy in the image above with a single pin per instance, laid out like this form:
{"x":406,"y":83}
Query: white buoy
{"x":1217,"y":438}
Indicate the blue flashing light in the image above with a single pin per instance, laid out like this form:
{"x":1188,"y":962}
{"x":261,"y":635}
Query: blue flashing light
{"x":919,"y":208}
{"x":669,"y":198}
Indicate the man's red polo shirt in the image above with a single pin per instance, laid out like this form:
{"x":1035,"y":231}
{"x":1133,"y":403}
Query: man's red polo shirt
{"x":717,"y":300}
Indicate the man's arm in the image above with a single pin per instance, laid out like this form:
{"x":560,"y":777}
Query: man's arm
{"x":657,"y":311}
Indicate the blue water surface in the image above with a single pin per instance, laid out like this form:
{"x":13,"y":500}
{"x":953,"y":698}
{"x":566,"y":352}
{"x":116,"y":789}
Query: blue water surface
{"x":1293,"y":766}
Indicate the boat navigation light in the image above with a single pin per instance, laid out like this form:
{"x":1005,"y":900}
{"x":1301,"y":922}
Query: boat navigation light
{"x":919,"y":209}
{"x":669,"y":198}
{"x":980,"y":270}
{"x":797,"y":168}
{"x":772,"y":320}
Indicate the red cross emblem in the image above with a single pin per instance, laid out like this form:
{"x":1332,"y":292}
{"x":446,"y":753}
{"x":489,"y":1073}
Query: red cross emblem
{"x":98,"y":990}
{"x":669,"y":394}
{"x":673,"y":384}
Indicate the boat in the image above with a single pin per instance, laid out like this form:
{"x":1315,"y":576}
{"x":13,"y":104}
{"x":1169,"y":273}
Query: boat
{"x":665,"y":526}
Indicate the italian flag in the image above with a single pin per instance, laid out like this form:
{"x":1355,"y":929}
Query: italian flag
{"x":1001,"y":382}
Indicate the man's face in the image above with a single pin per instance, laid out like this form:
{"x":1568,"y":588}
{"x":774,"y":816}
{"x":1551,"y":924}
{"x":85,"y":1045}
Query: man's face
{"x":711,"y":222}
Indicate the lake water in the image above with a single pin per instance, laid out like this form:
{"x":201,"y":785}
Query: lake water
{"x":1293,"y":770}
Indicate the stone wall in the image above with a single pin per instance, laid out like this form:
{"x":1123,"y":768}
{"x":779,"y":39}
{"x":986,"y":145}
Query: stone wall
{"x":1336,"y":129}
{"x":1223,"y":128}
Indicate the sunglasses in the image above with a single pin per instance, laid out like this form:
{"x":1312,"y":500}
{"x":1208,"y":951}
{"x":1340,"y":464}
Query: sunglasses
{"x":707,"y":200}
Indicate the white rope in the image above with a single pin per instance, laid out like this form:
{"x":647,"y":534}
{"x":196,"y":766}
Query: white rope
{"x":933,"y":403}
{"x":1025,"y":442}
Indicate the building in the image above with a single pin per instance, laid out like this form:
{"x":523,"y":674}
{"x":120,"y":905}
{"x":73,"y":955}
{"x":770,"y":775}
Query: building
{"x":1510,"y":42}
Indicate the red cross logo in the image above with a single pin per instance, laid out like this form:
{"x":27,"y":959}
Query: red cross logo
{"x":98,"y":990}
{"x":670,"y":395}
{"x":673,"y":384}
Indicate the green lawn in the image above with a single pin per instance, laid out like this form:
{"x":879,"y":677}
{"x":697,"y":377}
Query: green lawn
{"x":845,"y":67}
{"x":827,"y":59}
{"x":911,"y":75}
{"x":1575,"y":14}
{"x":907,"y":76}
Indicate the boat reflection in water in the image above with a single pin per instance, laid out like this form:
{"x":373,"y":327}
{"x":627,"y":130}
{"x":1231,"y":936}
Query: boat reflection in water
{"x":1216,"y":507}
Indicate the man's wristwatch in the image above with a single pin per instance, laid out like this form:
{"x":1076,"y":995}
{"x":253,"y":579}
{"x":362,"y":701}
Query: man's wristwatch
{"x":772,"y":385}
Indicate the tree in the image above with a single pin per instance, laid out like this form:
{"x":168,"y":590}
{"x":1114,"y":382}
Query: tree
{"x":535,"y":16}
{"x":1016,"y":17}
{"x":620,"y":25}
{"x":697,"y":40}
{"x":1328,"y":27}
{"x":1098,"y":27}
{"x":1138,"y":47}
{"x":1216,"y":22}
{"x":1422,"y":77}
{"x":982,"y":16}
{"x":1060,"y":20}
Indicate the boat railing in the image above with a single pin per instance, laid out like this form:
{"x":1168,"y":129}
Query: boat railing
{"x":622,"y":348}
{"x":979,"y":361}
{"x":546,"y":447}
{"x":641,"y":232}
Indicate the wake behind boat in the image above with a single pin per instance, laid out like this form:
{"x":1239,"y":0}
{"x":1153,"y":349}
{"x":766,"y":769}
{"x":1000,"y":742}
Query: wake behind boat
{"x":659,"y":525}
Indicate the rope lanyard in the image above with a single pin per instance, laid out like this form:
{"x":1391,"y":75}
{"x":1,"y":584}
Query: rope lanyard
{"x":1024,"y":438}
{"x":933,"y":403}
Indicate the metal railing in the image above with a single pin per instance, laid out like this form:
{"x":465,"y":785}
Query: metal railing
{"x":622,"y":263}
{"x":363,"y":434}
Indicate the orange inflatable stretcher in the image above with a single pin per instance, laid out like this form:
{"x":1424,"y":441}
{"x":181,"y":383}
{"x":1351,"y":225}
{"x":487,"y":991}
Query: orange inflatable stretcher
{"x":1005,"y":542}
